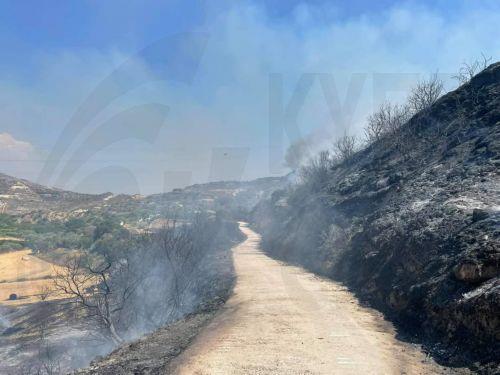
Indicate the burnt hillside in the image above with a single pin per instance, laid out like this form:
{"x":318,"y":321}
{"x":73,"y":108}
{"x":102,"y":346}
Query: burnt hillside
{"x":412,"y":224}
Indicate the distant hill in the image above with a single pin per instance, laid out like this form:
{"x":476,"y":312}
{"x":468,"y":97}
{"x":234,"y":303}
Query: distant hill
{"x":18,"y":197}
{"x":25,"y":199}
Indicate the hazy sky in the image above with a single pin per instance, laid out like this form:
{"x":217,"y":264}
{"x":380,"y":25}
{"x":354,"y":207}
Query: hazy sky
{"x":143,"y":96}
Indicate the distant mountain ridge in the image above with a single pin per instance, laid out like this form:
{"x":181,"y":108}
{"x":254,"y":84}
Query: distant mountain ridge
{"x":19,"y":196}
{"x":23,"y":198}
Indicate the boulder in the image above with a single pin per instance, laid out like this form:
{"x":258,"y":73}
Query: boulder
{"x":473,"y":272}
{"x":479,"y":214}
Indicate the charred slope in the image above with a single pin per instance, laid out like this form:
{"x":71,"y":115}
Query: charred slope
{"x":412,"y":224}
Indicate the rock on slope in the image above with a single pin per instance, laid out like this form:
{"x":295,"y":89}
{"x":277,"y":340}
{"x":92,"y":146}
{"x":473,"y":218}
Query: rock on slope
{"x":412,"y":224}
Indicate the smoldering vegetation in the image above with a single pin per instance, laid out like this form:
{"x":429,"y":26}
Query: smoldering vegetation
{"x":119,"y":290}
{"x":409,"y":217}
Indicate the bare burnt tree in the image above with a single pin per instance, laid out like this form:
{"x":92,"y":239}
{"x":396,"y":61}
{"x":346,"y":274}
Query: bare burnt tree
{"x":48,"y":358}
{"x":345,"y":147}
{"x":181,"y":246}
{"x":399,"y":116}
{"x":377,"y":123}
{"x":386,"y":121}
{"x":99,"y":288}
{"x":44,"y":292}
{"x":470,"y":69}
{"x":425,"y":94}
{"x":316,"y":171}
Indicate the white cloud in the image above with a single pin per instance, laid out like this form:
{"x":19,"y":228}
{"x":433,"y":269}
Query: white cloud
{"x":12,"y":149}
{"x":18,"y":158}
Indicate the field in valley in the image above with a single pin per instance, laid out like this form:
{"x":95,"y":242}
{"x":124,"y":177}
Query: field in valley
{"x":25,"y":275}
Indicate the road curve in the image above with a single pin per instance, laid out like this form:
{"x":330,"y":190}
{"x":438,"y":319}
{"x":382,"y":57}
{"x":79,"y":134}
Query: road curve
{"x":284,"y":320}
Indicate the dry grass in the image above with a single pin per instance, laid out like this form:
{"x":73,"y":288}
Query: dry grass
{"x":11,"y":239}
{"x":25,"y":275}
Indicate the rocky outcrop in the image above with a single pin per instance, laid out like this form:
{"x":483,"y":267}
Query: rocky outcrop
{"x":416,"y":232}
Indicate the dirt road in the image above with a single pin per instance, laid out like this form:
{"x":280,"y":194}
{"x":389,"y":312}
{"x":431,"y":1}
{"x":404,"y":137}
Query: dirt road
{"x":283,"y":320}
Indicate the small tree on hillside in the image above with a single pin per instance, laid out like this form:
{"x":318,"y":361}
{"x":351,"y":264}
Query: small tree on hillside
{"x":174,"y":265}
{"x":345,"y":147}
{"x":386,"y":121}
{"x":316,"y":171}
{"x":425,"y":94}
{"x":377,"y":123}
{"x":469,"y":70}
{"x":99,"y":288}
{"x":182,"y":257}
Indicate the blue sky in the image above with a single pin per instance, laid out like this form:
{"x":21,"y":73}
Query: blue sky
{"x":210,"y":91}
